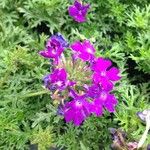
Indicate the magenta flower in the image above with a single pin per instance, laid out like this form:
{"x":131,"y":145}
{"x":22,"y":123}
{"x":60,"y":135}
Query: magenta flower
{"x":100,"y":98}
{"x":78,"y":11}
{"x":96,"y":107}
{"x":93,"y":91}
{"x":76,"y":110}
{"x":104,"y":74}
{"x":54,"y":47}
{"x":83,"y":50}
{"x":56,"y":80}
{"x":108,"y":101}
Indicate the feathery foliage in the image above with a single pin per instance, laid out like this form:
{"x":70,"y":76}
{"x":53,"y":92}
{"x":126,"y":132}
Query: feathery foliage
{"x":119,"y":29}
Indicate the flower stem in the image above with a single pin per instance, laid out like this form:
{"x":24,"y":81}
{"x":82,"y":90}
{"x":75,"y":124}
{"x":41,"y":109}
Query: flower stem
{"x":35,"y":94}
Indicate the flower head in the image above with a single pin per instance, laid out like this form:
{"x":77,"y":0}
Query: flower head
{"x":92,"y":78}
{"x":54,"y":47}
{"x":104,"y":74}
{"x":78,"y":11}
{"x":83,"y":50}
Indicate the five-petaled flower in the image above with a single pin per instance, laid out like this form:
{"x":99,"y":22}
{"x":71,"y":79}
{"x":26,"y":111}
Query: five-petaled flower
{"x":78,"y":11}
{"x":104,"y":74}
{"x":83,"y":50}
{"x":108,"y":101}
{"x":77,"y":110}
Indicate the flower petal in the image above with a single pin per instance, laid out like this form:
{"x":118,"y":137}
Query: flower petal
{"x":88,"y":47}
{"x":80,"y":18}
{"x":45,"y":54}
{"x":78,"y":5}
{"x":85,"y":56}
{"x":110,"y":103}
{"x":101,"y":64}
{"x":85,"y":9}
{"x":113,"y":74}
{"x":72,"y":11}
{"x":73,"y":94}
{"x":68,"y":115}
{"x":62,"y":74}
{"x":96,"y":107}
{"x":102,"y":81}
{"x":78,"y":118}
{"x":113,"y":99}
{"x":76,"y":46}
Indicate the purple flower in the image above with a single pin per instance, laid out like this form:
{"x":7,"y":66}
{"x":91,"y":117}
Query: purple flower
{"x":97,"y":72}
{"x":100,"y":98}
{"x":54,"y":47}
{"x":78,"y":11}
{"x":93,"y":91}
{"x":96,"y":107}
{"x":104,"y":74}
{"x":108,"y":101}
{"x":83,"y":50}
{"x":56,"y":80}
{"x":76,"y":110}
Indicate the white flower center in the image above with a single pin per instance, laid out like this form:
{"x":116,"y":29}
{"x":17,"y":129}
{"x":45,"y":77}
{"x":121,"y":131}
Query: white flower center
{"x":78,"y":104}
{"x":89,"y":50}
{"x":59,"y":83}
{"x":80,"y":12}
{"x":103,"y":96}
{"x":54,"y":52}
{"x":103,"y":73}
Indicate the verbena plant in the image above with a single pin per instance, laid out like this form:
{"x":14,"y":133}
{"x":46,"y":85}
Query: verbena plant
{"x":118,"y":29}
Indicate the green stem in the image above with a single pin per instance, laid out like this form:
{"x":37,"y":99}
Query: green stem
{"x":35,"y":94}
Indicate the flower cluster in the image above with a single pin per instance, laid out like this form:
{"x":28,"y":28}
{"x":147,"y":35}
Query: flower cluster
{"x":80,"y":82}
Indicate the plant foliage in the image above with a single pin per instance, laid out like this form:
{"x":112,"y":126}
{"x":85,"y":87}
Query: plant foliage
{"x":119,"y":29}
